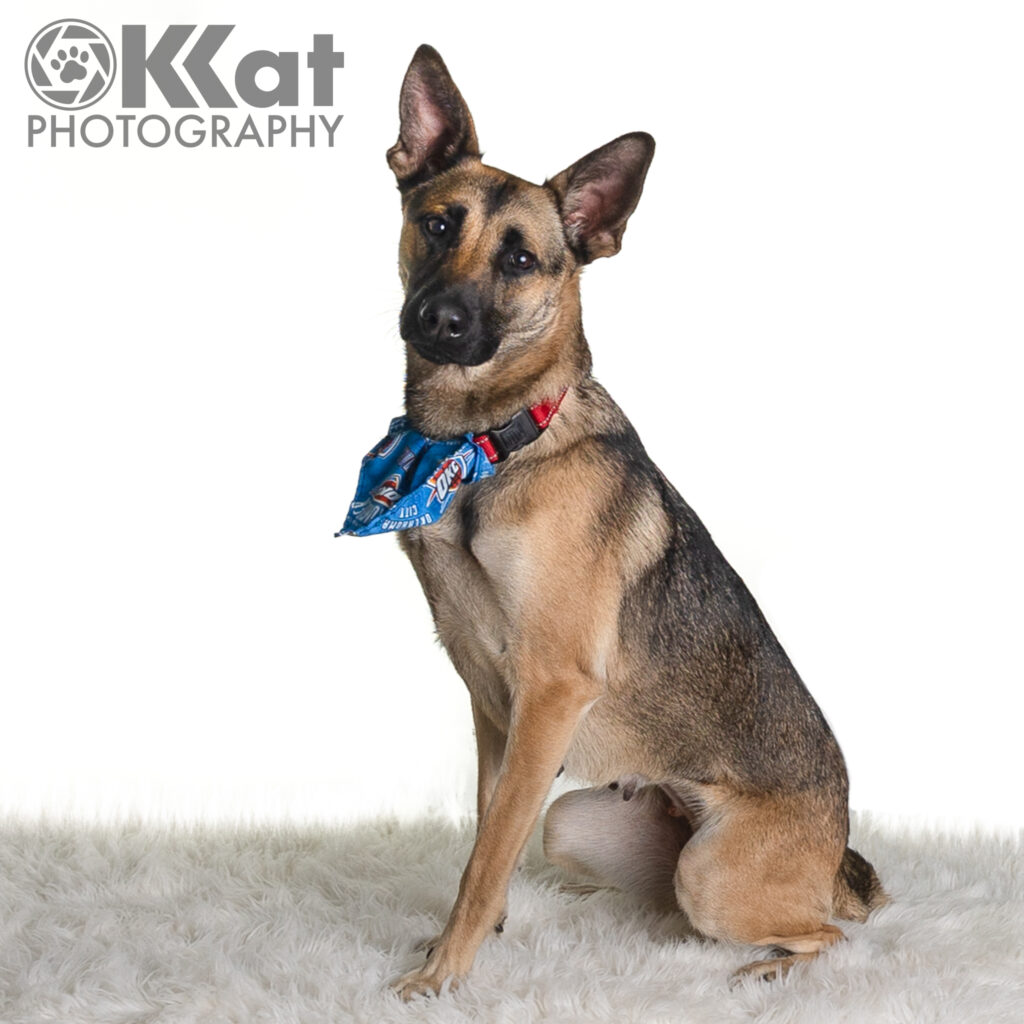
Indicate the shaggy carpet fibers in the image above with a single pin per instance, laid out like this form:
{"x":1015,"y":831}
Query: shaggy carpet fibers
{"x":308,"y":924}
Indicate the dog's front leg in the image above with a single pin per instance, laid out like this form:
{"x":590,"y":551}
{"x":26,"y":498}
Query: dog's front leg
{"x":490,"y":751}
{"x":545,"y":715}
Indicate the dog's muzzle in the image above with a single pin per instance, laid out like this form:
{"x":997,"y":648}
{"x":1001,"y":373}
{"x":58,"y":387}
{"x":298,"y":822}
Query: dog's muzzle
{"x":445,"y":326}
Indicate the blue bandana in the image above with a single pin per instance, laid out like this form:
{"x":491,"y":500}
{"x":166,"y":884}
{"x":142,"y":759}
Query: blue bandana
{"x":409,"y":480}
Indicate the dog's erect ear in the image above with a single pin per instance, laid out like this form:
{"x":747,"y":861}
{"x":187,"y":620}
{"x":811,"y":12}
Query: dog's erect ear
{"x":598,"y":193}
{"x":436,"y":125}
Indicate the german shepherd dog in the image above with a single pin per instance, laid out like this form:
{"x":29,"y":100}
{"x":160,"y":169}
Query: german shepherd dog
{"x":594,"y":621}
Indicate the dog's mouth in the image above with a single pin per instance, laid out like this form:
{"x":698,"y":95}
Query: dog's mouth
{"x":444,"y":355}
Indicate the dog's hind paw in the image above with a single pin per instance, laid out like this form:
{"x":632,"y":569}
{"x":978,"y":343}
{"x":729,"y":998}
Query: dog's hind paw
{"x":768,"y":970}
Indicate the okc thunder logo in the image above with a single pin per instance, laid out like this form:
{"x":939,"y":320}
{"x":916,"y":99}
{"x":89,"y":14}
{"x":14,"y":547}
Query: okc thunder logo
{"x":382,"y":498}
{"x":446,"y":480}
{"x":386,"y":492}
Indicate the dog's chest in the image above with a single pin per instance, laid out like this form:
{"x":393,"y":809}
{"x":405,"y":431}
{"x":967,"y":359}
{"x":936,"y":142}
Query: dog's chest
{"x":473,"y":570}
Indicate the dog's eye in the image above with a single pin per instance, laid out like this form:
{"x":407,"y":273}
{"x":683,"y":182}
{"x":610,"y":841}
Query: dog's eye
{"x":521,"y":260}
{"x":435,"y":226}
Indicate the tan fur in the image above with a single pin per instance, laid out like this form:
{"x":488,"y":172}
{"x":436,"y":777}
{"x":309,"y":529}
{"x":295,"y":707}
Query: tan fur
{"x":548,"y":589}
{"x":761,"y":870}
{"x":444,"y":399}
{"x":534,"y":649}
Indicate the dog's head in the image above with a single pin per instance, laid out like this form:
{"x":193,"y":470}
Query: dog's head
{"x":490,"y":262}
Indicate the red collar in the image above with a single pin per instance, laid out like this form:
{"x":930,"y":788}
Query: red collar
{"x":526,"y":426}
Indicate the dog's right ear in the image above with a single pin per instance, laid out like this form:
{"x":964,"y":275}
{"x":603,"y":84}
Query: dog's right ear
{"x":436,"y":125}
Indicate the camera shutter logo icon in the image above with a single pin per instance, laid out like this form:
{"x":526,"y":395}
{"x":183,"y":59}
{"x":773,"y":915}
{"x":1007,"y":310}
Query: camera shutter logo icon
{"x":70,"y":64}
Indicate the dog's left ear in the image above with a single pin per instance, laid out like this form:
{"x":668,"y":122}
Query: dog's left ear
{"x":598,"y":193}
{"x":436,"y":125}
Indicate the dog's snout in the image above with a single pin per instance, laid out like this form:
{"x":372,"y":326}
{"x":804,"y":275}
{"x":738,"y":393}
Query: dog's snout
{"x":443,"y":319}
{"x":447,"y":325}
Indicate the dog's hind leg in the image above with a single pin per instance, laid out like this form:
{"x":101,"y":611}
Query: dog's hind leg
{"x":631,"y":844}
{"x":761,"y":870}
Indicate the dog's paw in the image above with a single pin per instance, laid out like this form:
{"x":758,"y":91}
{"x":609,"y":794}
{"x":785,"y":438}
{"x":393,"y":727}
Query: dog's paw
{"x":429,"y":980}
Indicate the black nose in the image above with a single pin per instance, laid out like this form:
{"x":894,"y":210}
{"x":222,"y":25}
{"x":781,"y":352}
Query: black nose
{"x":443,"y":319}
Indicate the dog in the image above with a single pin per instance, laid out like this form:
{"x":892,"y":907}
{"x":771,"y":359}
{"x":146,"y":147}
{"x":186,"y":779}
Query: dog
{"x":595,"y":623}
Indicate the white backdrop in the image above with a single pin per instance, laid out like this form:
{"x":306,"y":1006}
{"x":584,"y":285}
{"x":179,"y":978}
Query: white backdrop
{"x":815,"y":323}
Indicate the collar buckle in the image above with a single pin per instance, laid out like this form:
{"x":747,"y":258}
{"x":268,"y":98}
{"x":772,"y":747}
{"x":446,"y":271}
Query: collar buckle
{"x":516,"y":434}
{"x":526,"y":426}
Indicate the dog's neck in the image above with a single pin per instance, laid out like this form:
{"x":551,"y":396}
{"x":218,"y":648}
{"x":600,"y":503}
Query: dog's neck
{"x":449,"y":400}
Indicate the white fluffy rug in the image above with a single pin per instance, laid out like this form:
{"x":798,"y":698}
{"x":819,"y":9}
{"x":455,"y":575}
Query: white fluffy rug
{"x":151,"y":924}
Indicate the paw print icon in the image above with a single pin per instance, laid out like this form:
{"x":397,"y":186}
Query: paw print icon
{"x":70,"y":64}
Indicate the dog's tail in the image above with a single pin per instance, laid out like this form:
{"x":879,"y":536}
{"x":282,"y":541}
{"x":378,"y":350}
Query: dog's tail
{"x":857,"y":889}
